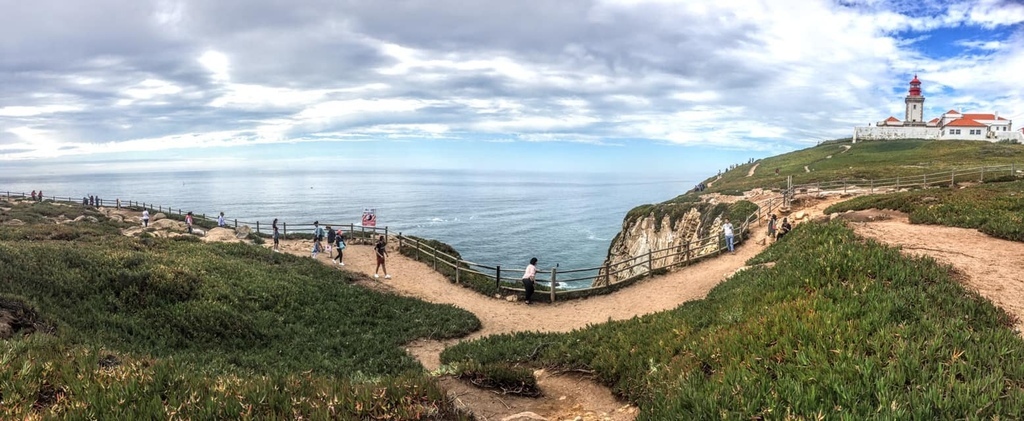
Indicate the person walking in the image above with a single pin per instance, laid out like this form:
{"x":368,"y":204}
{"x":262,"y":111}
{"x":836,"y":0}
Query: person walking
{"x":530,"y":278}
{"x":727,"y":230}
{"x":772,"y":222}
{"x":331,"y":237}
{"x":220,"y":220}
{"x":318,"y":236}
{"x":145,"y":216}
{"x":277,"y":237}
{"x":33,"y":195}
{"x":40,"y":195}
{"x":188,"y":221}
{"x":380,"y":249}
{"x":339,"y":244}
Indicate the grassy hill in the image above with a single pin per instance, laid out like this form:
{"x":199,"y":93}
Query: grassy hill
{"x":866,"y":160}
{"x":144,"y":328}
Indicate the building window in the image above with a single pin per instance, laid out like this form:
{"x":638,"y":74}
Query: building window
{"x":975,"y":131}
{"x":915,"y":106}
{"x":954,"y":131}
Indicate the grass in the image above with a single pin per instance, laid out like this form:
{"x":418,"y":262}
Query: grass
{"x":993,"y":208}
{"x":867,"y":160}
{"x":839,"y":327}
{"x":205,"y":330}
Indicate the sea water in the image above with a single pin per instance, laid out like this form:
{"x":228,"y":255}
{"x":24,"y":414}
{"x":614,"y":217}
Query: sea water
{"x":491,"y":218}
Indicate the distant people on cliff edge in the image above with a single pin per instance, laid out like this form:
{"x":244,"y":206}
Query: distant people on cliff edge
{"x":331,"y":236}
{"x":145,"y":217}
{"x":783,"y":229}
{"x":381,"y":250}
{"x":33,"y":195}
{"x":277,"y":236}
{"x":188,"y":221}
{"x":727,"y":231}
{"x":220,"y":220}
{"x":530,"y":278}
{"x":339,"y":244}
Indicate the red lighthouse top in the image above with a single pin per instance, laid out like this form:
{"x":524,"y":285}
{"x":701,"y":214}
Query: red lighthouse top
{"x":915,"y":87}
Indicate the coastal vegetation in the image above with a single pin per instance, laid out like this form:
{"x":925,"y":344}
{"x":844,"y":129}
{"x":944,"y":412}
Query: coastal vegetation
{"x":865,"y":160}
{"x":837,"y":325}
{"x":104,"y":326}
{"x":994,"y":208}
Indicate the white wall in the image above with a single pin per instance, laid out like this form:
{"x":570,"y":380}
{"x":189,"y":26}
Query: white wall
{"x":892,"y":133}
{"x":964,"y":133}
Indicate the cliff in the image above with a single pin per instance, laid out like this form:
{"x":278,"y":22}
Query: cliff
{"x":669,"y":233}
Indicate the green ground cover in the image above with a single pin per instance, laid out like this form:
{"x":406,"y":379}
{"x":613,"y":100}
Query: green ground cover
{"x":838,"y":328}
{"x":996,"y":209}
{"x":867,"y":160}
{"x":210,"y":330}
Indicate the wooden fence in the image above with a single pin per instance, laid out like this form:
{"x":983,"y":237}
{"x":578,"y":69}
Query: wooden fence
{"x":886,"y":185}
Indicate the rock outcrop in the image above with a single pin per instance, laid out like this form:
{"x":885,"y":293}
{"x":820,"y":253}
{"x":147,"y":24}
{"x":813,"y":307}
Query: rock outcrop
{"x":667,"y":234}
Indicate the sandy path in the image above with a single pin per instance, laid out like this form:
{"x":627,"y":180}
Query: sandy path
{"x":751,"y":172}
{"x":565,"y":396}
{"x":993,"y":266}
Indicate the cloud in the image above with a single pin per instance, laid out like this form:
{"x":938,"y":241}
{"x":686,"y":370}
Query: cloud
{"x":118,"y":75}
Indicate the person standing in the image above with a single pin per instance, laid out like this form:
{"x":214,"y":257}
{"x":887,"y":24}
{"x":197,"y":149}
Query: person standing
{"x":277,"y":236}
{"x":33,"y":195}
{"x":380,"y":249}
{"x":772,"y":222}
{"x":318,"y":236}
{"x":727,"y":230}
{"x":330,"y":240}
{"x":145,"y":216}
{"x":220,"y":220}
{"x":40,"y":195}
{"x":530,"y":278}
{"x":339,"y":244}
{"x":188,"y":221}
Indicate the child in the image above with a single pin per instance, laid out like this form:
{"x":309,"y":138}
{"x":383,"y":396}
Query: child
{"x":316,"y":248}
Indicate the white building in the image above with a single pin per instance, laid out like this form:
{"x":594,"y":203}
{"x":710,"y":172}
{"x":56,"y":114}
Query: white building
{"x":953,"y":125}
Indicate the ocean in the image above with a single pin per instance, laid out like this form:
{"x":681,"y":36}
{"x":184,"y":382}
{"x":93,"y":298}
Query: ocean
{"x":491,"y":218}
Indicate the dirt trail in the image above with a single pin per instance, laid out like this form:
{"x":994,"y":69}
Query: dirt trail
{"x":992,"y":265}
{"x":751,"y":172}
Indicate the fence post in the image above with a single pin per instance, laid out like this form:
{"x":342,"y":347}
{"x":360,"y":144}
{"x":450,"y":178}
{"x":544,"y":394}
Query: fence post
{"x":688,"y":251}
{"x":607,"y":275}
{"x":952,"y":178}
{"x":982,"y":180}
{"x":844,"y":186}
{"x":924,"y":181}
{"x":236,"y":223}
{"x":257,"y":227}
{"x":554,"y":274}
{"x":897,"y":183}
{"x":650,"y":263}
{"x":434,"y":253}
{"x":399,"y":241}
{"x":497,"y":278}
{"x":284,"y":225}
{"x":385,"y":232}
{"x":418,"y":251}
{"x":457,"y":272}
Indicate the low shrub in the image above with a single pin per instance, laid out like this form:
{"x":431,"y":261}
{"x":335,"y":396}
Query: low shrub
{"x":507,"y":379}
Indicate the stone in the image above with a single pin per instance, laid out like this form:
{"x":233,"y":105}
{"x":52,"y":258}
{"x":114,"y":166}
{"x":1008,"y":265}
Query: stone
{"x":524,"y":416}
{"x":167,"y":224}
{"x":243,"y":232}
{"x":512,"y":298}
{"x":15,"y":222}
{"x":157,"y":217}
{"x":800,"y":215}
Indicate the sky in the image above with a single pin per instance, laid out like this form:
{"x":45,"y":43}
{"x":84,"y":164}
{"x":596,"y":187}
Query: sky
{"x":654,"y":86}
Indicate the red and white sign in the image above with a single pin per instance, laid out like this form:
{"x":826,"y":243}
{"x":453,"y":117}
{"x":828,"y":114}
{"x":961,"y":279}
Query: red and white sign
{"x":369,"y":217}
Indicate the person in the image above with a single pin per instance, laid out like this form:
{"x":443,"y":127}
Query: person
{"x":220,"y":220}
{"x":145,"y":216}
{"x":529,"y":278}
{"x":339,"y":243}
{"x":330,"y":240}
{"x":85,"y":201}
{"x":776,"y":171}
{"x":188,"y":221}
{"x":316,"y":248}
{"x":318,"y":234}
{"x":772,"y":222}
{"x":277,"y":237}
{"x":33,"y":195}
{"x":92,"y":200}
{"x":783,"y":229}
{"x":380,"y":249}
{"x":40,"y":195}
{"x":727,"y":230}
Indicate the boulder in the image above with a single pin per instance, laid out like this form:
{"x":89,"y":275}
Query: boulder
{"x":167,"y":224}
{"x":220,"y":235}
{"x":157,"y":217}
{"x":800,"y":215}
{"x":512,"y":298}
{"x":243,"y":232}
{"x":15,"y":222}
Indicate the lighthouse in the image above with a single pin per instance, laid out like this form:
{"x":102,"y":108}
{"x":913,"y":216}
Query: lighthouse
{"x":915,"y":105}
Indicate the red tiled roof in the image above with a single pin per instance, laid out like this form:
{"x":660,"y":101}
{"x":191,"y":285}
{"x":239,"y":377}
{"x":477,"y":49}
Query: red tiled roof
{"x":983,"y":117}
{"x":965,"y":122}
{"x":892,"y":119}
{"x":934,"y":120}
{"x":952,"y":112}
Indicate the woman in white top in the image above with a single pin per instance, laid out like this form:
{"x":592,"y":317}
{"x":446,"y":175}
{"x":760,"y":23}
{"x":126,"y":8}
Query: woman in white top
{"x":529,"y":278}
{"x":145,"y":217}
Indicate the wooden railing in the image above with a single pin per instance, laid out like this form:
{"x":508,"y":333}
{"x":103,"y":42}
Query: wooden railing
{"x":885,"y":185}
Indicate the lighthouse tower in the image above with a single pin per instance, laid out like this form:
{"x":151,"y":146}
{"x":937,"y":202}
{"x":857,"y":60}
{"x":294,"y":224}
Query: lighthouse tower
{"x":915,"y":105}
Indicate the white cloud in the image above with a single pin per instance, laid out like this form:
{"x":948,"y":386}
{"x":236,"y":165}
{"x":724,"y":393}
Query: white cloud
{"x":31,"y":111}
{"x":217,"y":64}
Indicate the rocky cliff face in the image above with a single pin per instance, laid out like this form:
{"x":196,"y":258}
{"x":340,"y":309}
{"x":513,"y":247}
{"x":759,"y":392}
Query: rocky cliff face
{"x":668,"y":233}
